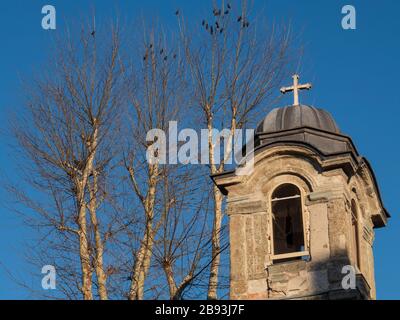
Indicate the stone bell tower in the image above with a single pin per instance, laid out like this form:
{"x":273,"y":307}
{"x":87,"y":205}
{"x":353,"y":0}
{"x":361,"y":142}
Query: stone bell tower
{"x":304,"y":218}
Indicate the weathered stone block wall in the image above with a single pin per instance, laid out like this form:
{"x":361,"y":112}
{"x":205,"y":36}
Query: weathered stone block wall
{"x":327,"y":218}
{"x":249,"y":250}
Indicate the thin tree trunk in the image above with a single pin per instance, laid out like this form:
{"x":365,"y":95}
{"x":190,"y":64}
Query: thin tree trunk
{"x":99,"y":245}
{"x":215,"y":238}
{"x":175,"y":290}
{"x":142,"y":265}
{"x":84,"y":254}
{"x":84,"y":250}
{"x":216,"y":249}
{"x":143,"y":257}
{"x":169,"y":274}
{"x":218,"y":199}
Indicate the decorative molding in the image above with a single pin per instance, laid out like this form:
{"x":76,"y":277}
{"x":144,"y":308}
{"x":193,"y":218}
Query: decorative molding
{"x":247,"y":207}
{"x":241,"y":198}
{"x":368,"y":235}
{"x":326,"y":195}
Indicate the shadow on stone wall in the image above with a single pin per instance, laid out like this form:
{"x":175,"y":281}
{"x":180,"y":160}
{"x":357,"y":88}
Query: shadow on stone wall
{"x":315,"y":279}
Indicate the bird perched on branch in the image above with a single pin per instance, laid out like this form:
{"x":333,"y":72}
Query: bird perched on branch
{"x":217,"y":12}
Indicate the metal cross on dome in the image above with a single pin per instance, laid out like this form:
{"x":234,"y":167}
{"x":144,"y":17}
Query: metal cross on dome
{"x":296,"y":88}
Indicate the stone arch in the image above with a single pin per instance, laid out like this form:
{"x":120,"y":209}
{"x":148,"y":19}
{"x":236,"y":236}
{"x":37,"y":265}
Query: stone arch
{"x":296,"y":161}
{"x":296,"y":151}
{"x":300,"y":181}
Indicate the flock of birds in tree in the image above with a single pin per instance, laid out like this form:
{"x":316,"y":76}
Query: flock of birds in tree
{"x":216,"y":27}
{"x":211,"y":28}
{"x":150,"y":49}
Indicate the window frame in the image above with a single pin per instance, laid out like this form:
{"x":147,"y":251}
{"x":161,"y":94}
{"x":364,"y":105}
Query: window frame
{"x":305,"y":253}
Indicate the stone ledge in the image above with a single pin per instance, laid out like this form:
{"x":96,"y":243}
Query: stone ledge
{"x":287,"y":267}
{"x":325,"y":196}
{"x":246,"y":207}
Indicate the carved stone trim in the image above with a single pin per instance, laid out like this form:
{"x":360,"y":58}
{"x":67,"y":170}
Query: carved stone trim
{"x":368,"y":235}
{"x":247,"y":207}
{"x":325,"y":195}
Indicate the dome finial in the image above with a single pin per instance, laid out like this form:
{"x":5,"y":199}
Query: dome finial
{"x":295,"y":88}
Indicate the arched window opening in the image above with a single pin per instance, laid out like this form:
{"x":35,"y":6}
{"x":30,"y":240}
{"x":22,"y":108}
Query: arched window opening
{"x":355,"y":233}
{"x":287,"y":220}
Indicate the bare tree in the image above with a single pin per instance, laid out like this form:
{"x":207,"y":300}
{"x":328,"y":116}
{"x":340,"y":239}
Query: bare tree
{"x":236,"y":65}
{"x":93,"y":212}
{"x":67,"y":137}
{"x":112,"y":222}
{"x":182,"y":247}
{"x":156,"y":95}
{"x":172,"y":201}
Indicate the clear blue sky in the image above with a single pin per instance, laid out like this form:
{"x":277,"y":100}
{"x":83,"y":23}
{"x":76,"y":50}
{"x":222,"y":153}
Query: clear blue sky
{"x":355,"y":74}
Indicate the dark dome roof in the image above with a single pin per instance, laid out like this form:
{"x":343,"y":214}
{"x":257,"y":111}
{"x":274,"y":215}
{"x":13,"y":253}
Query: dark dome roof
{"x":292,"y":117}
